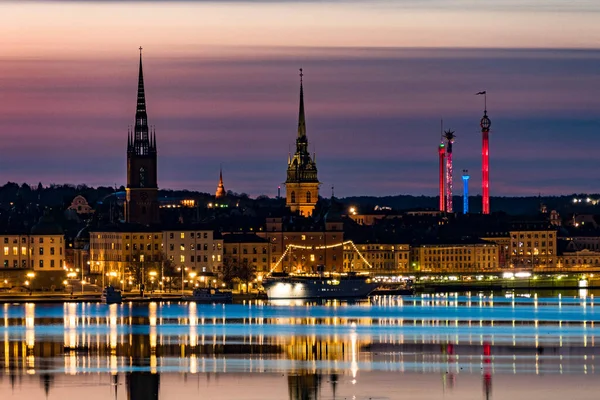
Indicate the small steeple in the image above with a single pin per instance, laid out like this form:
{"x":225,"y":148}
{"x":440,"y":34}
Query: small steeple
{"x":301,"y":118}
{"x":220,"y":187}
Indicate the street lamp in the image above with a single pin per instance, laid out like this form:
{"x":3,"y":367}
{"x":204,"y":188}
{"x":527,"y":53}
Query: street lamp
{"x":192,"y":276}
{"x":152,"y":277}
{"x":182,"y":269}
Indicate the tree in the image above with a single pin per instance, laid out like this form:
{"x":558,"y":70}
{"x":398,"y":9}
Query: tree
{"x":168,"y":269}
{"x":246,"y":273}
{"x":228,"y":272}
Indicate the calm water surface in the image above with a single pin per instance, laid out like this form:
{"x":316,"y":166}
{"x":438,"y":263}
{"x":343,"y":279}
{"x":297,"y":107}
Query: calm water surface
{"x":422,"y":347}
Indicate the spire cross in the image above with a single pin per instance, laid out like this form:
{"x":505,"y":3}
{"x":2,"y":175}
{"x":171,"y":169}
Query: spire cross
{"x":301,"y":75}
{"x":141,"y":50}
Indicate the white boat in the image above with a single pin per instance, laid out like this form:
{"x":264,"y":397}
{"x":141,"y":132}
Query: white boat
{"x":209,"y":295}
{"x":323,"y":286}
{"x":110,"y":295}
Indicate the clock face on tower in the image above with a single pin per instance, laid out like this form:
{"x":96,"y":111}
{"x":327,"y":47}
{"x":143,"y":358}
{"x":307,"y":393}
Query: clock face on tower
{"x":144,"y":196}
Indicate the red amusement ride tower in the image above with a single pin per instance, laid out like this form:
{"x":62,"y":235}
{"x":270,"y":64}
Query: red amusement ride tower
{"x":449,"y":136}
{"x":485,"y":157}
{"x":442,"y":154}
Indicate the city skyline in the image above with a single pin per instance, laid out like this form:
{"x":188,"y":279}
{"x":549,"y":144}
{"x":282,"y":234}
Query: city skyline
{"x":372,"y":108}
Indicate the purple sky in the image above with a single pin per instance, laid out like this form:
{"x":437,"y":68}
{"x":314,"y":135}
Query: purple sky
{"x":373,"y":112}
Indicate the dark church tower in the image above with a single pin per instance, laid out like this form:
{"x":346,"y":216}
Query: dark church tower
{"x":141,"y":205}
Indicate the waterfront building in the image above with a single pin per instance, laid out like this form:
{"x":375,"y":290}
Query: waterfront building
{"x":141,"y":204}
{"x":34,"y":258}
{"x":377,"y":258}
{"x":196,"y":249}
{"x":302,"y":184}
{"x":300,"y":244}
{"x":247,"y":248}
{"x":532,"y":245}
{"x":455,"y":256}
{"x":81,"y":250}
{"x":123,"y":253}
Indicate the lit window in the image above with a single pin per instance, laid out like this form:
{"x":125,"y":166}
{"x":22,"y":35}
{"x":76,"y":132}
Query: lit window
{"x":303,"y":237}
{"x":141,"y":258}
{"x":312,"y":257}
{"x":183,"y":235}
{"x":6,"y":251}
{"x":182,"y":258}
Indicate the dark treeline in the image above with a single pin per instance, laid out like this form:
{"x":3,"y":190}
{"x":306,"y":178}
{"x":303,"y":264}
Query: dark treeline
{"x":59,"y":196}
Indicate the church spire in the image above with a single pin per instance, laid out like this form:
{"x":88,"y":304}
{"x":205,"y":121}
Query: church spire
{"x":301,"y":118}
{"x":220,"y":188}
{"x":141,"y":96}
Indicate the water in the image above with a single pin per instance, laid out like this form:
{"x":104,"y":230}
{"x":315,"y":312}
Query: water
{"x":422,"y":347}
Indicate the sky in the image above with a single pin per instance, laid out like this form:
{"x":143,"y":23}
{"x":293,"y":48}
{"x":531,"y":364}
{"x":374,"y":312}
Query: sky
{"x":222,"y":87}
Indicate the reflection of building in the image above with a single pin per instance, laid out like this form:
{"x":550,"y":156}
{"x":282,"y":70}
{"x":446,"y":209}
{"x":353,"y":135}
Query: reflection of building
{"x":141,"y":204}
{"x":302,"y":185}
{"x":304,"y":386}
{"x":143,"y":386}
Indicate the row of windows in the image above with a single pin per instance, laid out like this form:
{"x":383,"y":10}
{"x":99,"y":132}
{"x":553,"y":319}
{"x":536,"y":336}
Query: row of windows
{"x":521,"y":252}
{"x":484,"y":250}
{"x":293,"y":197}
{"x":438,"y":267}
{"x":535,"y":236}
{"x":15,"y":251}
{"x":197,"y":247}
{"x":194,"y":259}
{"x":40,"y":240}
{"x":535,"y":244}
{"x":245,"y":250}
{"x":192,"y":235}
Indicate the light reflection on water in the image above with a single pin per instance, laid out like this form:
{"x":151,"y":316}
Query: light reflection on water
{"x":356,"y":346}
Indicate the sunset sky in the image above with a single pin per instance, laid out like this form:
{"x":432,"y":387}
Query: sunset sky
{"x":222,"y":87}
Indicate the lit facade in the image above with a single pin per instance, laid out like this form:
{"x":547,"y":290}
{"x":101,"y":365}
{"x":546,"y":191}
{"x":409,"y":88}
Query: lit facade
{"x":247,"y":248}
{"x":302,"y":184}
{"x":306,"y":248}
{"x":455,"y":258}
{"x":34,"y":252}
{"x":118,"y":252}
{"x":376,"y":258}
{"x":532,"y":248}
{"x":197,"y":250}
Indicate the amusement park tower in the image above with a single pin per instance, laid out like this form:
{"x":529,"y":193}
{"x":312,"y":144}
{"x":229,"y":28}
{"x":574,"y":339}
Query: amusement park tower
{"x":449,"y":136}
{"x":485,"y":124}
{"x":465,"y":178}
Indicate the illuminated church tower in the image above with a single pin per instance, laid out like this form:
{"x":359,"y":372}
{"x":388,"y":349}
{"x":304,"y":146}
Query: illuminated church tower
{"x":302,"y":185}
{"x":220,"y":193}
{"x":141,"y":204}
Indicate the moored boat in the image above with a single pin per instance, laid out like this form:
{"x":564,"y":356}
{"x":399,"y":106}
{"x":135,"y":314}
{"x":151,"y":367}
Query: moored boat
{"x":321,"y":286}
{"x":209,"y":295}
{"x":110,"y":295}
